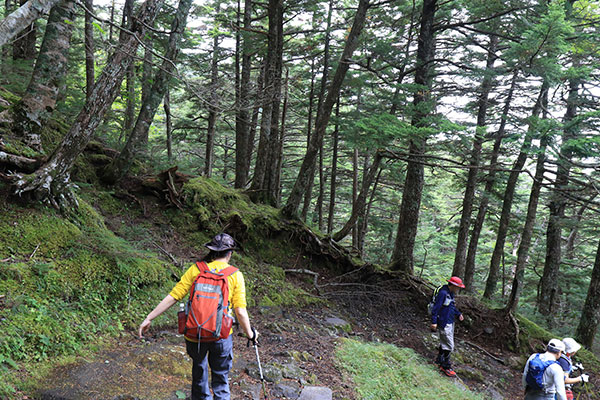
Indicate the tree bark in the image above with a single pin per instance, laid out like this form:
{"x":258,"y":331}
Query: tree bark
{"x":262,"y":188}
{"x":467,"y":204}
{"x":523,"y":251}
{"x":359,"y":205}
{"x":130,"y":76}
{"x":213,"y":109}
{"x":509,"y":192}
{"x":334,"y":161}
{"x":300,"y":185}
{"x":558,"y":202}
{"x":590,"y":315}
{"x":51,"y":182}
{"x":402,"y":258}
{"x":24,"y":46}
{"x":309,"y":126}
{"x":39,"y":101}
{"x":120,"y":167}
{"x":23,"y":17}
{"x":89,"y":49}
{"x":168,"y":125}
{"x":242,"y":118}
{"x":489,"y":185}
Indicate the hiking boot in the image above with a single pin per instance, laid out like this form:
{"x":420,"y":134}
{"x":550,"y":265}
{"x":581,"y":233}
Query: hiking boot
{"x":448,"y":371}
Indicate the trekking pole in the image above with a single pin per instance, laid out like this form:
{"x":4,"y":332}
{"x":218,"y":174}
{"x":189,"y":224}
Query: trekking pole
{"x":262,"y":378}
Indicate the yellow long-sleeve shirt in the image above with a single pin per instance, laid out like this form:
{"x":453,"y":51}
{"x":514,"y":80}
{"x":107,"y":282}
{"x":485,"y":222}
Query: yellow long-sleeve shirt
{"x":237,"y":286}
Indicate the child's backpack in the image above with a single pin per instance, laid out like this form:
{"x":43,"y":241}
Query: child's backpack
{"x":432,"y":302}
{"x":535,"y":372}
{"x":207,"y":318}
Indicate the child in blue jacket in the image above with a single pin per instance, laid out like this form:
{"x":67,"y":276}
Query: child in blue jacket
{"x":443,"y":313}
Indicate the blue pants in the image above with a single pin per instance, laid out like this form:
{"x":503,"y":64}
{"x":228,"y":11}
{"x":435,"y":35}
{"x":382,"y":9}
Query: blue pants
{"x":219,"y":355}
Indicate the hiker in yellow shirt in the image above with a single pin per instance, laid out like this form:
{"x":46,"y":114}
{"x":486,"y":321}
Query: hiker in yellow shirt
{"x":217,"y":354}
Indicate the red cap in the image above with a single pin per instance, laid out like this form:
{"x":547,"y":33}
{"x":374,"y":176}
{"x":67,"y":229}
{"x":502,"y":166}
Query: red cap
{"x":456,"y":281}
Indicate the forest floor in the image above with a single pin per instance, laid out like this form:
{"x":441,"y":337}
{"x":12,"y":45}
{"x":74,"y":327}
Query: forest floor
{"x":297,"y":346}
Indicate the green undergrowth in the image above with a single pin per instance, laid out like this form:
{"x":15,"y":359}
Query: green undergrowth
{"x":384,"y":371}
{"x":64,"y":283}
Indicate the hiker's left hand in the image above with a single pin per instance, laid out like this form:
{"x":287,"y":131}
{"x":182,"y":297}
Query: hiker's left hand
{"x":461,"y":317}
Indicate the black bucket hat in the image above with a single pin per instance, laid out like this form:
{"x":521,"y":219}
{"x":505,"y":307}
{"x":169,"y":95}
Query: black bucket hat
{"x":221,"y":242}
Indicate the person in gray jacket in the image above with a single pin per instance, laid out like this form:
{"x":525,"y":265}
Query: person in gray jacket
{"x":551,"y":375}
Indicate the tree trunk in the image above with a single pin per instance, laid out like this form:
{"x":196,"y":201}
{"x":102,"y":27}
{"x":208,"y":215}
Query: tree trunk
{"x":168,"y":125}
{"x":355,"y":158}
{"x":558,"y":202}
{"x":89,"y":49}
{"x":130,"y":77}
{"x":213,"y":109}
{"x":300,"y":186}
{"x":51,"y":181}
{"x":523,"y":251}
{"x":147,"y":71}
{"x":34,"y":109}
{"x":570,"y":246}
{"x":120,"y":167}
{"x":262,"y":188}
{"x":311,"y":175}
{"x":590,"y":315}
{"x":509,"y":192}
{"x":487,"y":192}
{"x":24,"y":45}
{"x":334,"y":161}
{"x":359,"y":205}
{"x":282,"y":138}
{"x":242,"y":118}
{"x":467,"y":204}
{"x":21,"y":18}
{"x":402,"y":258}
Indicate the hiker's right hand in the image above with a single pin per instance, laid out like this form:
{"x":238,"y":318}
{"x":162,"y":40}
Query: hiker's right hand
{"x":585,"y":378}
{"x":254,"y":338}
{"x":144,"y":327}
{"x":433,"y":327}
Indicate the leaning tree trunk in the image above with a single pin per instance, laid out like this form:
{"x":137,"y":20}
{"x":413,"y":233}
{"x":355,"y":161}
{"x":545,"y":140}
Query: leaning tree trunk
{"x":487,"y":192}
{"x":558,"y":202}
{"x":89,"y":49}
{"x":536,"y":187}
{"x":51,"y":182}
{"x":509,"y":193}
{"x":22,"y":17}
{"x":590,"y":315}
{"x":308,"y":164}
{"x":311,"y":174}
{"x":33,"y":111}
{"x":402,"y":258}
{"x":467,"y":204}
{"x":121,"y":165}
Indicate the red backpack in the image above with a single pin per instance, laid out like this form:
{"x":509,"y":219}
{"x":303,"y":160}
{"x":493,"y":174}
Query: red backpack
{"x":207,"y":319}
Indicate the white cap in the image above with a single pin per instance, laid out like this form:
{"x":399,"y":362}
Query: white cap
{"x":571,"y":346}
{"x":555,"y":345}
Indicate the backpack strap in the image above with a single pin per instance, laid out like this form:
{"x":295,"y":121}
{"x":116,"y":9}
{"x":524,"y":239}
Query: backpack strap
{"x":228,"y":271}
{"x":202,"y":266}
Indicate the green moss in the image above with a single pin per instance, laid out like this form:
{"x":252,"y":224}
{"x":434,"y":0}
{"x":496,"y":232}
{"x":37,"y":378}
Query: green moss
{"x":17,"y":147}
{"x":384,"y":371}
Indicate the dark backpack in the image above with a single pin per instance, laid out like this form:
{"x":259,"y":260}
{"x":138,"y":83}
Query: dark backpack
{"x":432,"y":302}
{"x":535,"y":372}
{"x":207,"y":319}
